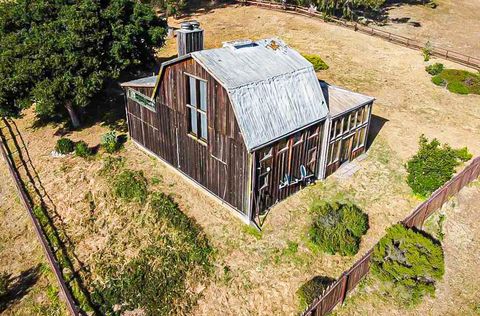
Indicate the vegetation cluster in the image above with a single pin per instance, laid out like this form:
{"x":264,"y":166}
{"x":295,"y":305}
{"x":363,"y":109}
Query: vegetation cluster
{"x":337,"y":228}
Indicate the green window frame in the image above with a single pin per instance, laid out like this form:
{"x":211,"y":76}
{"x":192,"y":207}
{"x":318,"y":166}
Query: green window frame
{"x":141,"y":99}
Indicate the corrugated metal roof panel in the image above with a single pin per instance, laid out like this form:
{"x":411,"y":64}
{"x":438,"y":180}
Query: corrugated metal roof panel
{"x":340,"y":100}
{"x":273,"y":89}
{"x":142,"y":82}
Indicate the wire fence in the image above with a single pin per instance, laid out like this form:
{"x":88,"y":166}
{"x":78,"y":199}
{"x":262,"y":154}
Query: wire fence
{"x":338,"y":290}
{"x":434,"y":50}
{"x":8,"y":155}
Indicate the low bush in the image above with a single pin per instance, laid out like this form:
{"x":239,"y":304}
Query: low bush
{"x":438,"y":81}
{"x":110,"y":142}
{"x":82,"y":149}
{"x":338,"y":228}
{"x":433,"y":165}
{"x":317,"y":62}
{"x":427,"y":51}
{"x":410,"y":261}
{"x":131,"y":186}
{"x":434,"y":69}
{"x":4,"y":281}
{"x":65,"y":146}
{"x":161,"y":278}
{"x":458,"y":81}
{"x":312,"y":289}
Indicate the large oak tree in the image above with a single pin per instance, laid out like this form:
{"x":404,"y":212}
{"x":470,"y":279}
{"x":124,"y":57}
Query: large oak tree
{"x":57,"y":54}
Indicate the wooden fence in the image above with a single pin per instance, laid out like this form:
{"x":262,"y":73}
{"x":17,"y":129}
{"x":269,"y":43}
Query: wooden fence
{"x":457,"y":57}
{"x":7,"y":154}
{"x":338,"y":290}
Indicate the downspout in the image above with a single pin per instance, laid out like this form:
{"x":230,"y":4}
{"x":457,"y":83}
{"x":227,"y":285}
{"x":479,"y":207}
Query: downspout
{"x":252,"y":183}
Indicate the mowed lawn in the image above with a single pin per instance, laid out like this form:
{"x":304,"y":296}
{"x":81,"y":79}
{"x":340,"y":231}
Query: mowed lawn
{"x":258,"y":274}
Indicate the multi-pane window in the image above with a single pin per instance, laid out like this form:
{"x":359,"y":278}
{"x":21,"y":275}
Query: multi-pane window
{"x":197,"y":108}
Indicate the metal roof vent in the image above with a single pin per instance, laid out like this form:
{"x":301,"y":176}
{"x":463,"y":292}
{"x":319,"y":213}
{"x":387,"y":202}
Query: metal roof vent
{"x":239,"y":44}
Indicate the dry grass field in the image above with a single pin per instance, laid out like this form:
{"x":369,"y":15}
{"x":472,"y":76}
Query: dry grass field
{"x":258,"y":274}
{"x":32,"y":288}
{"x":454,"y":24}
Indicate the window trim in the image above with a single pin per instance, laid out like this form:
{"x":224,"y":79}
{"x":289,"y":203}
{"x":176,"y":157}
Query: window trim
{"x":196,"y":108}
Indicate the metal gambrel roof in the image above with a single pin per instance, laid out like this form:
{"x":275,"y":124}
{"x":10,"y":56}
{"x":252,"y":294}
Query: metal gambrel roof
{"x":274,"y":90}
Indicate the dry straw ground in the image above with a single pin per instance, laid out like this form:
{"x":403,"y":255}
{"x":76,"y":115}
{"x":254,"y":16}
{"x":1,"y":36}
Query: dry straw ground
{"x":258,"y":275}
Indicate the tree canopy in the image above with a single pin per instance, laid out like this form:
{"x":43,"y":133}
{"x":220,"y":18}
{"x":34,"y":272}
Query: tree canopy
{"x":57,"y":54}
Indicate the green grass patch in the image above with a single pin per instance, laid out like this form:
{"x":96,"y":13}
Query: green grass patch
{"x":160,"y":278}
{"x":131,"y":186}
{"x":4,"y":282}
{"x":458,"y":81}
{"x":434,"y":69}
{"x":64,"y":146}
{"x":252,"y":231}
{"x":337,"y":227}
{"x":316,"y":61}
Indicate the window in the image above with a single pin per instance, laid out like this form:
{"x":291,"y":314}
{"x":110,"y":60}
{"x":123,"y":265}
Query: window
{"x":338,"y":127}
{"x":361,"y":139}
{"x":333,"y":152}
{"x":313,"y":132}
{"x":360,"y":117}
{"x":297,"y":138}
{"x":352,"y":120}
{"x":282,"y":145}
{"x":312,"y":159}
{"x":141,"y":99}
{"x":197,"y":108}
{"x":345,"y":124}
{"x":366,"y":113}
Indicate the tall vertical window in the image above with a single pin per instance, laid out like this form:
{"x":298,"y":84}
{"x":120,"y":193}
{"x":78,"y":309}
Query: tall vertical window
{"x":197,"y":108}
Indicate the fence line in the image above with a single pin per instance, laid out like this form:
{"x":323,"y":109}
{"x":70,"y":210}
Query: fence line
{"x":338,"y":290}
{"x":27,"y":203}
{"x":457,"y":57}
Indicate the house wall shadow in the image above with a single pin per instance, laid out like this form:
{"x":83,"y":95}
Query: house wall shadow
{"x":376,"y":125}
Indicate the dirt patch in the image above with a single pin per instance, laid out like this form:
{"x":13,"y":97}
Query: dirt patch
{"x":452,"y":25}
{"x":457,"y":293}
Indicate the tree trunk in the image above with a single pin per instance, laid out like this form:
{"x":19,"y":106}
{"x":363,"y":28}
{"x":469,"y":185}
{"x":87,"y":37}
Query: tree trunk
{"x":73,"y":115}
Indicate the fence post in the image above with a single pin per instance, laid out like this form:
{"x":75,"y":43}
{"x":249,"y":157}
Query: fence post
{"x":344,"y":287}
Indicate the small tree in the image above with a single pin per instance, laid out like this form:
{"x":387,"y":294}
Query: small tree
{"x":409,"y":261}
{"x":433,"y":165}
{"x":338,"y":228}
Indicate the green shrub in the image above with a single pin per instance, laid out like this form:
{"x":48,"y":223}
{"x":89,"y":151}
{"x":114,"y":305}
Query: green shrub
{"x":64,"y":146}
{"x":459,"y":81}
{"x":110,"y":143}
{"x":338,"y":228}
{"x":161,"y":277}
{"x":427,"y":51}
{"x":82,"y":149}
{"x":434,"y":69}
{"x":463,"y":154}
{"x":457,"y":87}
{"x":438,"y":81}
{"x":432,"y":166}
{"x":312,"y":289}
{"x":131,"y":186}
{"x":4,"y":281}
{"x":410,"y":262}
{"x":316,"y":61}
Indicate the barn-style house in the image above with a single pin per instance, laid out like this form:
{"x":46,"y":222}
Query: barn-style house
{"x":248,"y":122}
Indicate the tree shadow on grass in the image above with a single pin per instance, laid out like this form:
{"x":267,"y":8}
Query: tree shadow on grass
{"x":19,"y":286}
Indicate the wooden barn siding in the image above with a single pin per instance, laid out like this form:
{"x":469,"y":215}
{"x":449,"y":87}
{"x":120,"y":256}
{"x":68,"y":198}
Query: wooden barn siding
{"x":287,"y":162}
{"x":222,"y":165}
